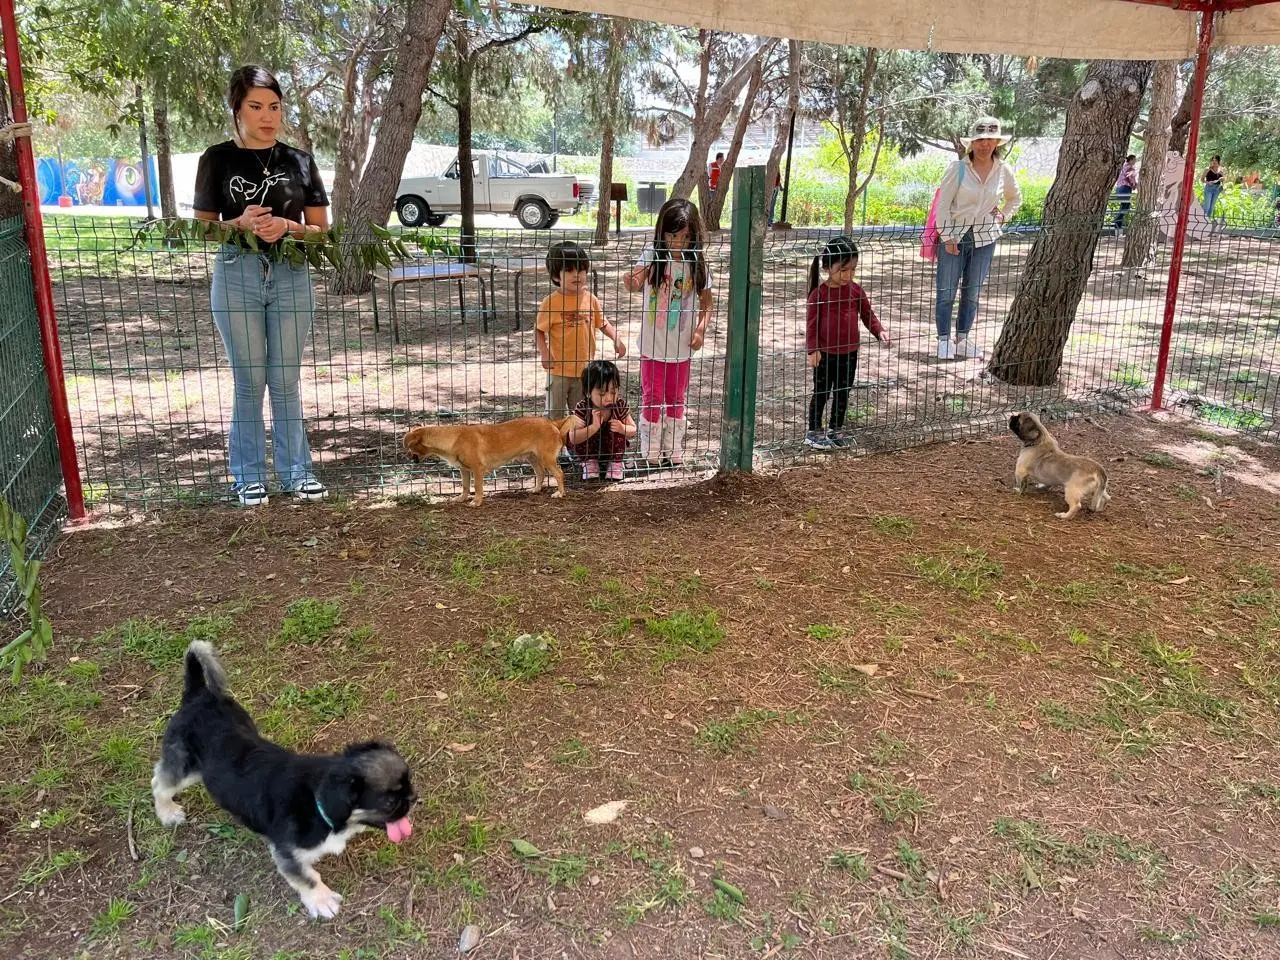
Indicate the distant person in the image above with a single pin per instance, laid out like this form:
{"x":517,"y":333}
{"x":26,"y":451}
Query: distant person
{"x":713,"y":172}
{"x":776,"y":188}
{"x":977,"y":197}
{"x":263,"y":304}
{"x":1126,"y":183}
{"x":1213,"y":178}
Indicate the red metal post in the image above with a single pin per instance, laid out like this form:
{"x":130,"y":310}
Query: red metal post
{"x":40,"y":268}
{"x":1184,"y":205}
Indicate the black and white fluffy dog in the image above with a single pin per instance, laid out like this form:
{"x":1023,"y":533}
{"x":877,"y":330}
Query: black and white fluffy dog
{"x":307,"y":806}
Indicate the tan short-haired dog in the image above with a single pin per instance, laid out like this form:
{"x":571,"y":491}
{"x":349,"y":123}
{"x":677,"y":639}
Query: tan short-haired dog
{"x":1083,"y":481}
{"x":477,"y":448}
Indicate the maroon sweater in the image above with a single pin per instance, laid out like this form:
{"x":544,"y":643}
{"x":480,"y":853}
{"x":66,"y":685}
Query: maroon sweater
{"x":831,"y":323}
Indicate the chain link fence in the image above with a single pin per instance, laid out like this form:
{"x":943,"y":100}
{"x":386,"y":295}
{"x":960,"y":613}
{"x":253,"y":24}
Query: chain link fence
{"x":439,"y":340}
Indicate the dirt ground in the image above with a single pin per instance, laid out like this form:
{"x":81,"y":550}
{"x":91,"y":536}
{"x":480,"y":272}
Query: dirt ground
{"x":150,"y":390}
{"x":893,"y":709}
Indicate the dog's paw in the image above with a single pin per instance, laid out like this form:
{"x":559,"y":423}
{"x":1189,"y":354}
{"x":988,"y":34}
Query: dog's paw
{"x":474,"y":503}
{"x":322,"y":902}
{"x":170,"y":814}
{"x":558,"y":494}
{"x":1065,"y":514}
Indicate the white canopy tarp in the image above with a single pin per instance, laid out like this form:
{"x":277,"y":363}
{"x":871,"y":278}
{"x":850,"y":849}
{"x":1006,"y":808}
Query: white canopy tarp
{"x":1078,"y":29}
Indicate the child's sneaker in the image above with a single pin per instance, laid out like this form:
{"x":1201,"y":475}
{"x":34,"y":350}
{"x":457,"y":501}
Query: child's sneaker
{"x":614,"y":470}
{"x":590,"y":469}
{"x":839,"y":438}
{"x":946,"y":350}
{"x":817,"y":440}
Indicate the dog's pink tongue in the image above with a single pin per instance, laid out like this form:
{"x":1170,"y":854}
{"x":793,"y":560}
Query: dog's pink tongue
{"x":398,"y":830}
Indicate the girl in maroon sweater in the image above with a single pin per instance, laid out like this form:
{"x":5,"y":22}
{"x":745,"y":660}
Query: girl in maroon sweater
{"x":836,"y":305}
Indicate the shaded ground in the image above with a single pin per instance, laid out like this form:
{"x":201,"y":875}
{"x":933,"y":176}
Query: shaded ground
{"x":902,"y":711}
{"x":151,"y":393}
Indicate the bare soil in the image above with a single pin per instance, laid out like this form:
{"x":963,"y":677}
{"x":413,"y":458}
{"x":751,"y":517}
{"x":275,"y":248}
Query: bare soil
{"x":900,"y":710}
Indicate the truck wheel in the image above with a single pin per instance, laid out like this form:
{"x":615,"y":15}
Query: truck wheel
{"x":533,"y":215}
{"x":553,"y":220}
{"x":412,"y":211}
{"x":436,"y":219}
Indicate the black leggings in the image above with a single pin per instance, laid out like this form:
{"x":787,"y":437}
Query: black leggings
{"x":833,"y":376}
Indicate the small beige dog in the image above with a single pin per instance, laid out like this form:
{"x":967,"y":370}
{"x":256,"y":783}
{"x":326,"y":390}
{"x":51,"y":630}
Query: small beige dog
{"x":477,"y":448}
{"x":1083,"y":481}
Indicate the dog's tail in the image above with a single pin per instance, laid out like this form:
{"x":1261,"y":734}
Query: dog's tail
{"x":564,"y":425}
{"x":203,"y":671}
{"x":1100,"y":495}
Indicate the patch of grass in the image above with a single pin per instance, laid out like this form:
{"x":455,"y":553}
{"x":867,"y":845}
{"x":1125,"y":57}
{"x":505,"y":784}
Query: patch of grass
{"x":668,"y":886}
{"x":1145,"y":571}
{"x":892,"y":526}
{"x":1062,"y":717}
{"x":854,"y":864}
{"x":960,"y":929}
{"x":1078,"y":593}
{"x":721,"y":906}
{"x":525,"y":657}
{"x":325,"y":701}
{"x":1258,"y":574}
{"x":50,"y":866}
{"x":894,"y":801}
{"x":887,"y":750}
{"x":1159,"y":459}
{"x":1266,"y":919}
{"x":573,"y":753}
{"x":108,"y":922}
{"x":308,"y":621}
{"x":123,"y":754}
{"x":158,"y":644}
{"x":683,"y":632}
{"x":823,"y":631}
{"x":970,"y":572}
{"x":722,"y":737}
{"x":830,"y":679}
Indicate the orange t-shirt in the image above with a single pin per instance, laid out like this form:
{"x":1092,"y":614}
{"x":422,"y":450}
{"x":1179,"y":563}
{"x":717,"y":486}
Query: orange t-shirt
{"x":570,"y":324}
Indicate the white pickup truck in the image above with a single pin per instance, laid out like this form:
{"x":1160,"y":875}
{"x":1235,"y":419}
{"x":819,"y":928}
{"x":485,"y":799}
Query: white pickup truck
{"x":501,"y":186}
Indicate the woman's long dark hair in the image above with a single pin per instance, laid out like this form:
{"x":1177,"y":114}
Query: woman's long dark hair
{"x":675,"y":215}
{"x":836,"y":251}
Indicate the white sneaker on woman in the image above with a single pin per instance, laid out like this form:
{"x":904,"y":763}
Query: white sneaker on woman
{"x":945,"y":350}
{"x":966,"y":349}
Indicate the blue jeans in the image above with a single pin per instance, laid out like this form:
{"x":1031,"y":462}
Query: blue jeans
{"x":1211,"y":191}
{"x":263,"y":311}
{"x":1124,"y":193}
{"x":966,"y":270}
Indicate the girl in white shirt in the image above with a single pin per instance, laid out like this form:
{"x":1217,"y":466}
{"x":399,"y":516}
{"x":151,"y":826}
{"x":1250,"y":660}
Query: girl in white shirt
{"x":977,"y":196}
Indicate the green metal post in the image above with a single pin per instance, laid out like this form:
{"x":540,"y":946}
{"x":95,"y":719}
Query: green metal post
{"x":746,"y":275}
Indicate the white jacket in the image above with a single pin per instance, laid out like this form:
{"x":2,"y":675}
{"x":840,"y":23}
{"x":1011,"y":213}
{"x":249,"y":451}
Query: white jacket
{"x":967,"y":201}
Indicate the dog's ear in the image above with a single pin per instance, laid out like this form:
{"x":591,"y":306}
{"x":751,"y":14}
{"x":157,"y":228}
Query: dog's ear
{"x":338,"y":792}
{"x":411,"y":443}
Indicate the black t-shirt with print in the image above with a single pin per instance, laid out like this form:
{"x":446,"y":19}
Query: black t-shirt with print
{"x":230,"y":178}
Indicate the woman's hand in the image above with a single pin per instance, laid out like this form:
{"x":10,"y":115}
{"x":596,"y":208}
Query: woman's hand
{"x":251,"y":218}
{"x":952,"y":248}
{"x":271,"y":229}
{"x":815,"y":358}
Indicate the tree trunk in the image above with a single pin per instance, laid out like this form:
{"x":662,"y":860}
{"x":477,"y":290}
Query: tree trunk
{"x":344,"y":169}
{"x":1099,"y":123}
{"x":793,"y":107}
{"x":1141,"y":232}
{"x":1181,"y":123}
{"x":612,"y":102}
{"x":302,"y":132}
{"x":709,"y":116}
{"x":466,"y":180}
{"x":856,"y":133}
{"x":10,"y":199}
{"x":164,"y":152}
{"x":402,"y":108}
{"x":716,"y":203}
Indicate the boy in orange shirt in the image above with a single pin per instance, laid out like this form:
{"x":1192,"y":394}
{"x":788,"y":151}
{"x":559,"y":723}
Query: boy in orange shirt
{"x":568,"y":319}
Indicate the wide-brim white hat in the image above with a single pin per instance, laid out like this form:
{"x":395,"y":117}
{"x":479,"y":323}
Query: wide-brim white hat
{"x":985,"y":128}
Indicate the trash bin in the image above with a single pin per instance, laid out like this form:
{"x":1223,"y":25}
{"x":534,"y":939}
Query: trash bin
{"x":650,"y":197}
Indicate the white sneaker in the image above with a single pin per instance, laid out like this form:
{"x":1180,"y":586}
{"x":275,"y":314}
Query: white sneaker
{"x":252,"y":495}
{"x":945,"y":349}
{"x":966,"y":349}
{"x":817,"y":440}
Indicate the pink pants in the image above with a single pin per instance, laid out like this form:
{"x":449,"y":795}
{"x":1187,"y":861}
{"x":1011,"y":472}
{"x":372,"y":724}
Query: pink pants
{"x":663,"y":386}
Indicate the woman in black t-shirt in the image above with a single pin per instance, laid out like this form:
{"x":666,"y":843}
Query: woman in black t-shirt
{"x":262,"y":305}
{"x":1213,"y":178}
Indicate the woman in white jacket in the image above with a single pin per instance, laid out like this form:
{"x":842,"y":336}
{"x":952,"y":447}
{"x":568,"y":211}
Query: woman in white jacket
{"x":978,"y":196}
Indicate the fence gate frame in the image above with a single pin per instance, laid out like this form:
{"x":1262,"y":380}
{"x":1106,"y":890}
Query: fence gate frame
{"x":746,"y":291}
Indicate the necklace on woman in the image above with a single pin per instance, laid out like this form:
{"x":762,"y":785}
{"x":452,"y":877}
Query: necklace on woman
{"x":270,"y":156}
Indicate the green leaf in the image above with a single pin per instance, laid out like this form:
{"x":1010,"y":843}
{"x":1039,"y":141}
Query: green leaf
{"x":729,"y":890}
{"x":241,"y":911}
{"x":525,"y":849}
